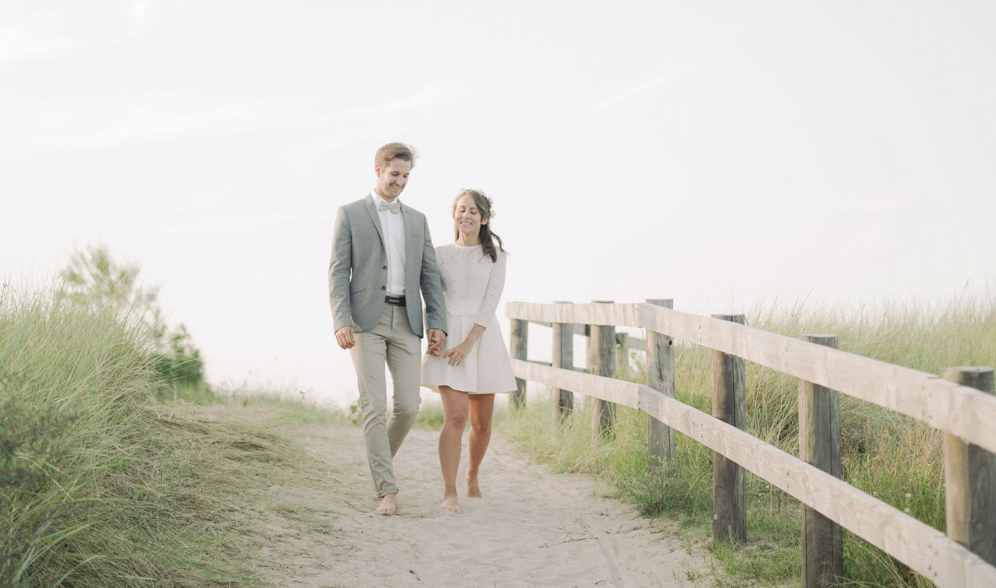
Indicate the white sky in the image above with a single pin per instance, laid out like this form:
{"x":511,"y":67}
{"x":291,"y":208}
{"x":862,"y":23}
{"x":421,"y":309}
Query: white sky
{"x":718,"y":153}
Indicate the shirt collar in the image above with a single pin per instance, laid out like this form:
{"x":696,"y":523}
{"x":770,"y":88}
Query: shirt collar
{"x":378,"y":198}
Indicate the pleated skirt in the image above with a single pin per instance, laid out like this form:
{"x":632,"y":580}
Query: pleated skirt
{"x":487,"y":369}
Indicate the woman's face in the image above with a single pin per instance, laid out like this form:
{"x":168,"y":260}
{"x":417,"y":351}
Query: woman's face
{"x":467,"y":216}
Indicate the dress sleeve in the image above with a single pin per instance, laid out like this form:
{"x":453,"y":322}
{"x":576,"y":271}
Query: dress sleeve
{"x":496,"y":283}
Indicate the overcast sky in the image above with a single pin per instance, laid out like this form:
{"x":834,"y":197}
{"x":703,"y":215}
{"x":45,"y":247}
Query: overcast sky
{"x":718,"y":153}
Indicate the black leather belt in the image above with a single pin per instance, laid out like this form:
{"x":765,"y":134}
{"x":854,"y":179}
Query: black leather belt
{"x":395,"y":300}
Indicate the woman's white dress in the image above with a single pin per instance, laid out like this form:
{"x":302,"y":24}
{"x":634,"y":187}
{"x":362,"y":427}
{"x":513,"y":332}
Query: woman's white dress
{"x":472,"y":285}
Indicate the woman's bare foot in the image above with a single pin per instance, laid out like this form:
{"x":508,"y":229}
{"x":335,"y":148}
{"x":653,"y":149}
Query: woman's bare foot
{"x":388,"y":505}
{"x":451,"y":503}
{"x":473,"y":488}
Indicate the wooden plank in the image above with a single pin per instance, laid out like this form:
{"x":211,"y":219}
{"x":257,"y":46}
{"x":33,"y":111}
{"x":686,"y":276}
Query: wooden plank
{"x":602,"y":362}
{"x":594,"y":313}
{"x":819,"y":445}
{"x":943,"y":405}
{"x":548,"y":364}
{"x":519,"y":343}
{"x":729,"y":480}
{"x":970,"y":478}
{"x":918,"y":545}
{"x":660,"y":376}
{"x":608,"y":389}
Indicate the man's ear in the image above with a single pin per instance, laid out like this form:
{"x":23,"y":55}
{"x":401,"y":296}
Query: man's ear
{"x":377,"y":169}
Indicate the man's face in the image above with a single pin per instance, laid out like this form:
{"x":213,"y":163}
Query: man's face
{"x":391,"y":180}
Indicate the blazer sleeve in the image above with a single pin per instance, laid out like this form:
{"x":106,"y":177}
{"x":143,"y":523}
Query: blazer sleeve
{"x":339,"y":272}
{"x":432,"y":288}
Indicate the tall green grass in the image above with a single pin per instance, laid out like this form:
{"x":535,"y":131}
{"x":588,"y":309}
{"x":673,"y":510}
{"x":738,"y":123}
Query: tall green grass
{"x":885,"y":454}
{"x":96,"y":487}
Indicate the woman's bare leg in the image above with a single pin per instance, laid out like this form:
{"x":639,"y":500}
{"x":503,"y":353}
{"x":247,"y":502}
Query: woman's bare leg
{"x":451,"y":443}
{"x":482,"y":407}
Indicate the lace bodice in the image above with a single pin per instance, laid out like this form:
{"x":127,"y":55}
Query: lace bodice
{"x":472,"y":283}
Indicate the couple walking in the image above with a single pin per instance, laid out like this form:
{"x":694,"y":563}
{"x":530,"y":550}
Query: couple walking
{"x":383,"y":264}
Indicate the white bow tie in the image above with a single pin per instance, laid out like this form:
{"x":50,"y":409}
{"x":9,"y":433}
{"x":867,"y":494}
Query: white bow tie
{"x":394,"y":207}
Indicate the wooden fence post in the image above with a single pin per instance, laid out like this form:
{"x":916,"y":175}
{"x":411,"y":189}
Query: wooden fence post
{"x":519,"y":342}
{"x":970,"y":478}
{"x":819,"y":445}
{"x":563,"y":358}
{"x":729,"y":481}
{"x":602,"y":362}
{"x":660,"y":376}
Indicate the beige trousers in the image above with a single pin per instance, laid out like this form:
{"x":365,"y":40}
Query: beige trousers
{"x":392,"y":342}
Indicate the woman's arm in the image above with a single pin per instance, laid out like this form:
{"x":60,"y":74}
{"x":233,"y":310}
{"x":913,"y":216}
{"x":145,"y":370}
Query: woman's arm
{"x":456,"y":355}
{"x":496,"y":283}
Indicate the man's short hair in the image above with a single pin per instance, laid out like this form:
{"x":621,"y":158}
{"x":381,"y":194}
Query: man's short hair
{"x":395,"y":151}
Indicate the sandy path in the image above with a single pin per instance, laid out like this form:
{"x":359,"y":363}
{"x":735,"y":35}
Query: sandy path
{"x":530,"y":529}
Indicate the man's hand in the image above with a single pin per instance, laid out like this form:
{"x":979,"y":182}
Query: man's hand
{"x":345,"y":338}
{"x":436,"y":340}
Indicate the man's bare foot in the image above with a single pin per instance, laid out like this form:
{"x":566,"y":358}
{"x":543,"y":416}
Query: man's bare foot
{"x":450,"y":503}
{"x":388,"y":505}
{"x":473,"y":488}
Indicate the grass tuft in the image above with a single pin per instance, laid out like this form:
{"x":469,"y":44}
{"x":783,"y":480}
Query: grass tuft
{"x":100,"y":483}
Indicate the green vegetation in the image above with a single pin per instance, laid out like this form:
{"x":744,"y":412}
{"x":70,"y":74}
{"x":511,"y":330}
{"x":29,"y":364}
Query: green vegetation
{"x":883,"y":453}
{"x":107,"y":478}
{"x":94,"y":280}
{"x":101,"y":483}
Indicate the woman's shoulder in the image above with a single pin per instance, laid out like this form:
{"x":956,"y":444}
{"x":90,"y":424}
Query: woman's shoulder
{"x":449,"y":252}
{"x":456,"y":249}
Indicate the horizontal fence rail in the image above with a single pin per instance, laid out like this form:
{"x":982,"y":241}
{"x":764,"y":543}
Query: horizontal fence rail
{"x":943,"y":405}
{"x":960,"y":411}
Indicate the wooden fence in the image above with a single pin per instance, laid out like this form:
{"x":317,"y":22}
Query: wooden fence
{"x":960,"y":403}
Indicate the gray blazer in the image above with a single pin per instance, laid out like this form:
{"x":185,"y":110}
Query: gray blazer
{"x":358,"y":271}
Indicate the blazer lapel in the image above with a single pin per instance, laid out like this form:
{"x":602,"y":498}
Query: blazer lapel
{"x":368,"y":203}
{"x":412,"y":242}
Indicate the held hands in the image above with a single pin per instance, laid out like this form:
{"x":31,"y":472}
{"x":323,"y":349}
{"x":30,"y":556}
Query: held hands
{"x":436,"y":340}
{"x":345,"y":338}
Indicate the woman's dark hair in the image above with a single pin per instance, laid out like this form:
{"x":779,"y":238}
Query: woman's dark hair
{"x":483,"y":204}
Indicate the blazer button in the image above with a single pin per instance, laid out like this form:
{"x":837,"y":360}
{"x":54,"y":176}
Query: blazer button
{"x":383,"y":287}
{"x":385,"y":267}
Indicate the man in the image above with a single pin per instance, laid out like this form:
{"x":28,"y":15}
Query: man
{"x":382,"y":264}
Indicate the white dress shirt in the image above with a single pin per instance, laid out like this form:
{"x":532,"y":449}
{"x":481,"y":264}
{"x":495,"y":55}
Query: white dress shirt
{"x":393,"y":225}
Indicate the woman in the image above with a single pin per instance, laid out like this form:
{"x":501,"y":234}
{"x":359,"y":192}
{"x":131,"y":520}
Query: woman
{"x":475,"y":365}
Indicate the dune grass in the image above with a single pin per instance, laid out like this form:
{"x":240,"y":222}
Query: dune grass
{"x":101,"y":484}
{"x":883,"y":453}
